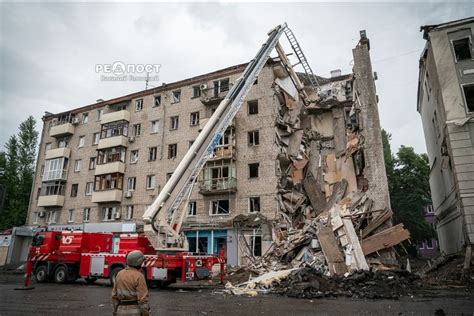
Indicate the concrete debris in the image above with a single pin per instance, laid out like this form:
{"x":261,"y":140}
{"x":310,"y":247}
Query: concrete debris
{"x":327,"y":224}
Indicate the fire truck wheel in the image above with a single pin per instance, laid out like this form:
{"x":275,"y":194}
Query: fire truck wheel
{"x":41,"y":274}
{"x":60,"y":275}
{"x":113,"y":274}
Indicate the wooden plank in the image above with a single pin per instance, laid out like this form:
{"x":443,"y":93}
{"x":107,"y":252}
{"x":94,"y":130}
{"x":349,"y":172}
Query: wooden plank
{"x":356,"y":250}
{"x":331,"y":251}
{"x":385,"y":239}
{"x":376,"y":222}
{"x":315,"y":195}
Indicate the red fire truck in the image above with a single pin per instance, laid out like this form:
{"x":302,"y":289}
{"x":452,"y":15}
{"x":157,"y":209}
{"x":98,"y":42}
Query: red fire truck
{"x":68,"y":255}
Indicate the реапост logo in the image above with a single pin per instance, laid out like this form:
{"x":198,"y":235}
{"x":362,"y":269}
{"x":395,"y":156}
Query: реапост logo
{"x":120,"y":71}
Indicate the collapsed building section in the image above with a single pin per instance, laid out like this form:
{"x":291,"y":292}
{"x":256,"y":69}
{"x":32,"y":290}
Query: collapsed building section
{"x":333,"y":200}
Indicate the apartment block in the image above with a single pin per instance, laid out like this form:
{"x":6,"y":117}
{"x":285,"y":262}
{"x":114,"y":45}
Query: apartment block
{"x":446,"y":105}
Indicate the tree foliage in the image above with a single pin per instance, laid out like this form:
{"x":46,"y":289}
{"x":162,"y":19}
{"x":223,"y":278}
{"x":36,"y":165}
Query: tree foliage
{"x":408,"y":177}
{"x":17,"y":169}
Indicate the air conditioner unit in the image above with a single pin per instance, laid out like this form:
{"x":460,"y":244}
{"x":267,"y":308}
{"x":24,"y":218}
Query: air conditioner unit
{"x":131,"y":139}
{"x":42,"y":214}
{"x":117,"y":214}
{"x":75,"y":121}
{"x":203,"y":86}
{"x":128,"y":194}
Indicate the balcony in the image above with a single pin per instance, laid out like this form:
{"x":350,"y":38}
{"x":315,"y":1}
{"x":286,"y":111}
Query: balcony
{"x":62,"y":129}
{"x":218,"y":185}
{"x":212,"y":97}
{"x":55,"y":175}
{"x":113,"y":141}
{"x":105,"y":196}
{"x":111,"y":167}
{"x":51,"y":200}
{"x":58,"y":153}
{"x":223,"y":152}
{"x":116,"y":116}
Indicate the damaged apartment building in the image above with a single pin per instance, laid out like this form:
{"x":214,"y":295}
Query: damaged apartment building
{"x":283,"y":162}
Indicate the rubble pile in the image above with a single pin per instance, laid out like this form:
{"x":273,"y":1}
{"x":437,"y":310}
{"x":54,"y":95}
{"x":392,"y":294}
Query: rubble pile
{"x":326,"y":224}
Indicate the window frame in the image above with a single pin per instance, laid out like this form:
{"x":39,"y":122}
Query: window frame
{"x":148,"y":179}
{"x":139,"y":105}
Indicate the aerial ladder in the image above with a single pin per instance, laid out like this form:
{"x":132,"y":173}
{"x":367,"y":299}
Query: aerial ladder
{"x":163,"y":218}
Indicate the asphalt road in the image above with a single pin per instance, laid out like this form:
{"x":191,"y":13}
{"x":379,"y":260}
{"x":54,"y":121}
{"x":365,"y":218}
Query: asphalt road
{"x":82,"y":299}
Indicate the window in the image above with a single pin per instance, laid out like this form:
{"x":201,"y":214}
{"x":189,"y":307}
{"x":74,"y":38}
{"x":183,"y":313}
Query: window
{"x":85,"y":118}
{"x":194,"y":118}
{"x":134,"y":156}
{"x":172,"y":151}
{"x":82,"y":140}
{"x":462,"y":49}
{"x":70,"y":218}
{"x":154,"y":127}
{"x":469,"y":96}
{"x":86,"y":215}
{"x":129,"y":214}
{"x":168,"y":176}
{"x":176,"y":96}
{"x":253,"y":138}
{"x":256,"y":245}
{"x":190,"y":143}
{"x":254,"y":204}
{"x":196,"y":91}
{"x":47,"y":147}
{"x":131,"y":183}
{"x":253,"y":170}
{"x":63,"y":142}
{"x":191,"y":208}
{"x":118,"y":128}
{"x":429,"y":244}
{"x":220,"y":207}
{"x":137,"y":129}
{"x":51,"y":217}
{"x":100,"y":112}
{"x":74,"y":189}
{"x":35,"y":217}
{"x":92,"y":163}
{"x":95,"y":138}
{"x":53,"y":188}
{"x":221,"y":86}
{"x":89,"y":188}
{"x":113,"y":181}
{"x":429,"y":209}
{"x":55,"y":169}
{"x":109,"y":213}
{"x":150,"y":182}
{"x":152,"y":153}
{"x":77,"y":165}
{"x":252,"y":107}
{"x":138,"y":105}
{"x":157,"y":100}
{"x":174,"y":122}
{"x":112,"y":154}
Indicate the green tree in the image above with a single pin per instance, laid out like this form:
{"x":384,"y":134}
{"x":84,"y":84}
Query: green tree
{"x":18,"y":173}
{"x":408,"y":177}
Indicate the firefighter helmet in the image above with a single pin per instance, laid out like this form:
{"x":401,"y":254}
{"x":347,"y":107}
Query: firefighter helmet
{"x":135,"y":258}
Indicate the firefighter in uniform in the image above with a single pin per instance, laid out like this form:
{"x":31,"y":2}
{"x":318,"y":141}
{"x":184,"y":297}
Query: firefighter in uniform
{"x":130,"y":292}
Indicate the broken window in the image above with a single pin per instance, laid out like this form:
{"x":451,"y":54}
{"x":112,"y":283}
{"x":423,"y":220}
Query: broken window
{"x":253,"y":170}
{"x":150,"y":181}
{"x":154,"y":127}
{"x":172,"y":151}
{"x":137,"y":129}
{"x":74,"y":189}
{"x":134,"y":156}
{"x":157,"y":100}
{"x":176,"y":96}
{"x":113,"y":181}
{"x":196,"y":91}
{"x":221,"y":86}
{"x":469,"y":96}
{"x":174,"y":123}
{"x":462,"y":49}
{"x":92,"y":163}
{"x":256,"y":245}
{"x":112,"y":129}
{"x":194,"y":118}
{"x":254,"y":204}
{"x":220,"y":207}
{"x":131,"y":183}
{"x":138,"y":105}
{"x":191,"y":208}
{"x":152,"y":153}
{"x":252,"y":107}
{"x":253,"y":138}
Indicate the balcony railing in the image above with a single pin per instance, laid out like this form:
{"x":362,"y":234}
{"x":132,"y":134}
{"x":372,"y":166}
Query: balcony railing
{"x":218,"y":185}
{"x":55,"y":189}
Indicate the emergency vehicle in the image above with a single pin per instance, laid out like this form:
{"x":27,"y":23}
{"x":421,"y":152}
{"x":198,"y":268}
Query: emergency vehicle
{"x":68,"y":255}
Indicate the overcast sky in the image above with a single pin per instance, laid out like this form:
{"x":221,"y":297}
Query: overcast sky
{"x":49,"y":52}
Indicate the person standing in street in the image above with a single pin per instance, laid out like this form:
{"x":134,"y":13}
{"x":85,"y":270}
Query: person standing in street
{"x":130,"y":292}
